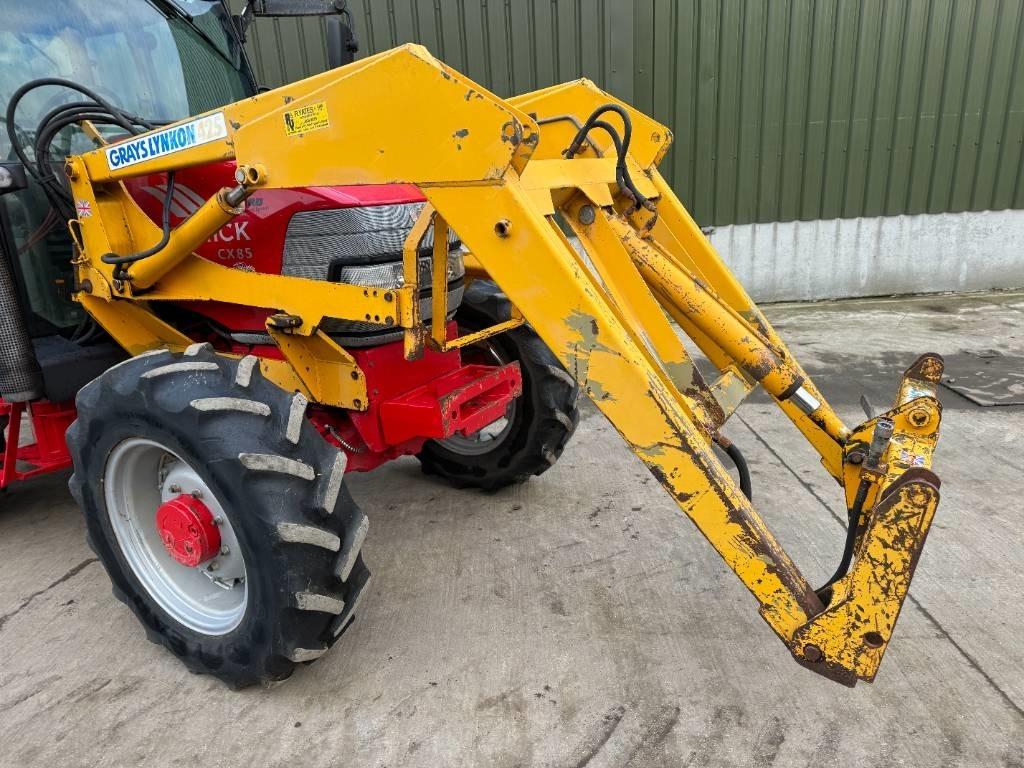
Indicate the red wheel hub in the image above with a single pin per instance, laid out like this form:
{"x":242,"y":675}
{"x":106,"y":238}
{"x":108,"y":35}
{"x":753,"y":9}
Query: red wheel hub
{"x":187,"y":529}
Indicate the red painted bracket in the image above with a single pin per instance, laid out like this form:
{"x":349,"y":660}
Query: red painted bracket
{"x":49,"y":452}
{"x":462,"y":401}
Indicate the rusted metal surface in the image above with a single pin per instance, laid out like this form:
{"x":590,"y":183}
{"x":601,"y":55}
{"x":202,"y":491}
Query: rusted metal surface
{"x":846,"y":642}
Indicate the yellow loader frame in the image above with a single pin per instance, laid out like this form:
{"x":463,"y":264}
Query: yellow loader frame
{"x":495,"y":172}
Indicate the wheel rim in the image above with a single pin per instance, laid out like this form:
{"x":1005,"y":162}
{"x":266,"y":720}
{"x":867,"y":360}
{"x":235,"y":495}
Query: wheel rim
{"x":141,"y":475}
{"x":489,"y":437}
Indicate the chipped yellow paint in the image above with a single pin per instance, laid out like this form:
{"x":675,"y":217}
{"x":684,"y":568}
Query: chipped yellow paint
{"x":494,"y":172}
{"x":916,"y":416}
{"x":568,"y":307}
{"x":848,"y":639}
{"x":638,"y":310}
{"x":731,"y":389}
{"x":328,"y":372}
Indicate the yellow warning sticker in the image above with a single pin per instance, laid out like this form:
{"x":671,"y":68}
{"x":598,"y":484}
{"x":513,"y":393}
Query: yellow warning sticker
{"x":306,"y":119}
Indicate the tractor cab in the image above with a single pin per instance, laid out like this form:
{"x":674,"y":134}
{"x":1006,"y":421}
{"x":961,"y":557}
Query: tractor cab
{"x":156,"y":60}
{"x":160,"y":60}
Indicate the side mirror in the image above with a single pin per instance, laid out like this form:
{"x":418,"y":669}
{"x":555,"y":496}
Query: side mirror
{"x":341,"y":38}
{"x":341,"y":42}
{"x":296,"y":7}
{"x":12,"y":177}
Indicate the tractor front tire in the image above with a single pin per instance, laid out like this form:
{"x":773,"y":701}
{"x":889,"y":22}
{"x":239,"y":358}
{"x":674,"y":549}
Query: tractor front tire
{"x":286,"y":574}
{"x":538,"y":425}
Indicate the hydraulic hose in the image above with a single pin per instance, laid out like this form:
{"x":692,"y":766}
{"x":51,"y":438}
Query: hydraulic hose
{"x":111,"y":258}
{"x":734,"y":453}
{"x":622,"y":175}
{"x":98,"y":110}
{"x":824,"y":592}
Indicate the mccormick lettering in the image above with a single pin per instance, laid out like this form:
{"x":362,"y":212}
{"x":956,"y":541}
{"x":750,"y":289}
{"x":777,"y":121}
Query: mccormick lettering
{"x":167,"y":141}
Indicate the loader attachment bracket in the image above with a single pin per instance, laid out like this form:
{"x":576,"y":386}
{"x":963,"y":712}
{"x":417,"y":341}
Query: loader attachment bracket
{"x":847,"y":640}
{"x":892,"y":496}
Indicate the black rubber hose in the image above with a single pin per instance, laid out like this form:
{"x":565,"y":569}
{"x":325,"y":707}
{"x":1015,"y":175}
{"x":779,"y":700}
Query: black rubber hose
{"x":113,"y":258}
{"x":610,"y":130}
{"x":52,"y":181}
{"x":824,"y":592}
{"x":121,"y":118}
{"x":99,"y":110}
{"x":623,"y":177}
{"x":741,"y":467}
{"x":621,"y":172}
{"x":738,"y":461}
{"x":627,"y":128}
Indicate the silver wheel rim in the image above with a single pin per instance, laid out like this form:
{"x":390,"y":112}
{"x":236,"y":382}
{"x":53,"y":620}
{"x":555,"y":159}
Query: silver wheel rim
{"x":487,"y":438}
{"x":138,"y":477}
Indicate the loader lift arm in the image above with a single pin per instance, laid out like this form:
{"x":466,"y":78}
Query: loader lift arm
{"x":495,"y":172}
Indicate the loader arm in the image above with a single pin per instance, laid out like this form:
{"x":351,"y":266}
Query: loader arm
{"x":496,"y":171}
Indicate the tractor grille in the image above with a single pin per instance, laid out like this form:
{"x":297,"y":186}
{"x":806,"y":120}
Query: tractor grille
{"x":318,"y":242}
{"x":363,"y":246}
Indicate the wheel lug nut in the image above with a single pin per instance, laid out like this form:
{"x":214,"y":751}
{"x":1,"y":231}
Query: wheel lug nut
{"x":224,"y":550}
{"x":175,"y":488}
{"x":197,"y":494}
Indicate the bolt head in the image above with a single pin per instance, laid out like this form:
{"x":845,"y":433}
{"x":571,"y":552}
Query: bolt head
{"x":197,"y":494}
{"x":175,"y":488}
{"x":587,"y":215}
{"x":812,"y":653}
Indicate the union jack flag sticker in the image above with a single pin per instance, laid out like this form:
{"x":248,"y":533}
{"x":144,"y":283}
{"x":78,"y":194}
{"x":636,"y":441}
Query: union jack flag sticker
{"x":84,"y":209}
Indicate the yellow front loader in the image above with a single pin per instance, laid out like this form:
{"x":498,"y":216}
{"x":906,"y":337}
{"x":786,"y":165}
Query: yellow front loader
{"x":510,"y":177}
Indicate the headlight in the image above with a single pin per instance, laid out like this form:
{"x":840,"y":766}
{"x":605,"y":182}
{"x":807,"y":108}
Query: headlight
{"x":390,"y":275}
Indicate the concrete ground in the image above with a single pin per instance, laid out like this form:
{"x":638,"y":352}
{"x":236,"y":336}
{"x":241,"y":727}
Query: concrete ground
{"x":576,"y":620}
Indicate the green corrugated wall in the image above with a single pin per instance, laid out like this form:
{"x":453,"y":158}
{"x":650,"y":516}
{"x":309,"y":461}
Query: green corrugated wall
{"x":781,"y":109}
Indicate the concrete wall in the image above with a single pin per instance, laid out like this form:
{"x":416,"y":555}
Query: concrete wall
{"x":837,"y":258}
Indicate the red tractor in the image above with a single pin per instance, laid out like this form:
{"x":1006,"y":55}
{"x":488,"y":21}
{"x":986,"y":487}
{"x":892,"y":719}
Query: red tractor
{"x":492,"y":414}
{"x":283,"y":314}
